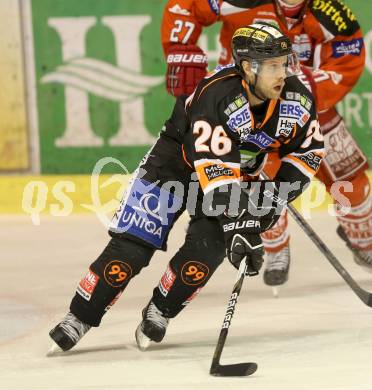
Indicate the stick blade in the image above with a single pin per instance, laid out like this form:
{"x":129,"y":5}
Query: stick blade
{"x":240,"y":369}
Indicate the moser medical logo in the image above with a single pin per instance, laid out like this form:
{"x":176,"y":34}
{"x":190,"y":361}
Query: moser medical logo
{"x":81,"y":76}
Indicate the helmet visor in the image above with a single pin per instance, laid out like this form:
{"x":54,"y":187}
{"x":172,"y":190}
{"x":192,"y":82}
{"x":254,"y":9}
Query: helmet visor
{"x":283,"y":66}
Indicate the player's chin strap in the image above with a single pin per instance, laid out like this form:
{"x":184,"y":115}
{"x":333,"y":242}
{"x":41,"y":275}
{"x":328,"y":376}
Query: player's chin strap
{"x":252,"y":88}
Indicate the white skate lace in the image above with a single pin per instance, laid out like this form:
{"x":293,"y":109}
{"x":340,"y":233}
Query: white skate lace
{"x":73,"y":327}
{"x":278,"y":260}
{"x":154,"y":315}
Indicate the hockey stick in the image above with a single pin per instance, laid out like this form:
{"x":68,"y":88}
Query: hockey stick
{"x":365,"y":296}
{"x":239,"y":369}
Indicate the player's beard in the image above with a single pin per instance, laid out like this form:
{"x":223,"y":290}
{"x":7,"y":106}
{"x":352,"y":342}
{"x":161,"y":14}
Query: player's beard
{"x":269,"y":92}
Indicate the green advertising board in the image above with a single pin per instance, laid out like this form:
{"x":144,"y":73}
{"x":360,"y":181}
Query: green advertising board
{"x":99,"y":79}
{"x":356,"y":107}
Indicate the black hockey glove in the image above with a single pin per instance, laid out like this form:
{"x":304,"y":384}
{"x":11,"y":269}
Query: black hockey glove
{"x":242,"y":238}
{"x":259,"y":208}
{"x":249,"y":247}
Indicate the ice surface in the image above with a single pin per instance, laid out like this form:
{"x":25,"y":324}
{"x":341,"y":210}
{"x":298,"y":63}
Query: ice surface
{"x":316,"y":336}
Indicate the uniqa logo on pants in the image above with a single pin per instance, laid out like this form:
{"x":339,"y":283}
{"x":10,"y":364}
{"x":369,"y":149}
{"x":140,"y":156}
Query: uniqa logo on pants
{"x":130,"y":219}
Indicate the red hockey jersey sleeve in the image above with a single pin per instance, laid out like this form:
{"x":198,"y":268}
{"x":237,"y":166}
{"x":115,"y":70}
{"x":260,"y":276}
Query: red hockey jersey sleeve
{"x":183,"y":20}
{"x":338,"y":60}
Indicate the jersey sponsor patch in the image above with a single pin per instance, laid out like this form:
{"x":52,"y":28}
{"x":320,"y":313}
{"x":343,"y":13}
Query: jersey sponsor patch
{"x":87,"y":285}
{"x":311,"y":159}
{"x":302,"y":46}
{"x":167,"y":280}
{"x":344,"y":48}
{"x":303,"y":120}
{"x":260,"y":139}
{"x":306,"y":102}
{"x":285,"y":127}
{"x":293,"y":96}
{"x":335,"y":16}
{"x":239,"y":118}
{"x":291,"y":109}
{"x":214,"y":6}
{"x":217,"y":170}
{"x":238,"y":102}
{"x":213,"y":173}
{"x":147,"y":212}
{"x":294,"y":110}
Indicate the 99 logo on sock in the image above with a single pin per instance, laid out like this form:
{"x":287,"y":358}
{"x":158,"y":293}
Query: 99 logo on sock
{"x":194,"y":273}
{"x":117,"y":273}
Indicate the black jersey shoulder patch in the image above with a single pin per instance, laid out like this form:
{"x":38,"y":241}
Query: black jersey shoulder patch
{"x":335,"y":16}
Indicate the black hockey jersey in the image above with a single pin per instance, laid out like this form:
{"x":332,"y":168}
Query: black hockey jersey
{"x":225,"y":138}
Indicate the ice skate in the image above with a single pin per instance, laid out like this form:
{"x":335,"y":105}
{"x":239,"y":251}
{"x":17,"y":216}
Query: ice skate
{"x":67,"y":334}
{"x":277,"y":268}
{"x":362,"y":257}
{"x":152,"y":327}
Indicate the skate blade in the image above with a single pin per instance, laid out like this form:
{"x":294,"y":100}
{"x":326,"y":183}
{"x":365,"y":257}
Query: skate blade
{"x":54,"y":350}
{"x":143,"y":342}
{"x":275,"y":290}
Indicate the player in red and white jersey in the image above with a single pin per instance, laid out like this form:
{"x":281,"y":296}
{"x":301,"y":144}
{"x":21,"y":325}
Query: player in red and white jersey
{"x":329,"y":44}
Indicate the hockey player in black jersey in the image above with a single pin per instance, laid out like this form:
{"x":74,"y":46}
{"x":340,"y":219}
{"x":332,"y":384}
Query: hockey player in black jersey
{"x":207,"y":159}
